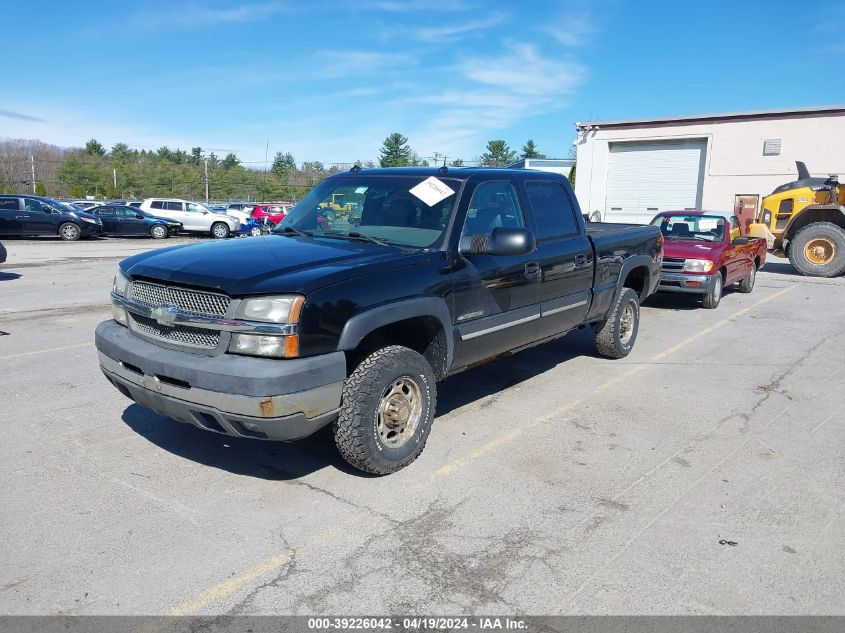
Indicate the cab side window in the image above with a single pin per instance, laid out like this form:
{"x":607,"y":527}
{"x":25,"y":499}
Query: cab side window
{"x":32,"y":205}
{"x":106,"y":212}
{"x":554,"y":214}
{"x":493,"y":205}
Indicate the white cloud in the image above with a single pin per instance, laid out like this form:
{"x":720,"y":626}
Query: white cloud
{"x":203,"y":16}
{"x":452,"y":32}
{"x":355,"y":62}
{"x":574,"y":30}
{"x":523,"y":71}
{"x":499,"y":92}
{"x":408,"y":6}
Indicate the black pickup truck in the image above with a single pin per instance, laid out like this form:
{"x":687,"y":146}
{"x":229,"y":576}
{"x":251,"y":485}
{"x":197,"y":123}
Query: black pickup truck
{"x":377,"y":285}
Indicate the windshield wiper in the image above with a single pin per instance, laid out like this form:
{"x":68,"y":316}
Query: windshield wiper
{"x":289,"y":230}
{"x":354,"y":235}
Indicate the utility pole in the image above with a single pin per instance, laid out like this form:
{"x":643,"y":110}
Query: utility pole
{"x":114,"y":179}
{"x":32,"y":164}
{"x":205,"y":163}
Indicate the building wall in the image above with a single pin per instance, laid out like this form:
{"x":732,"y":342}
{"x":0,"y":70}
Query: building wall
{"x":735,"y":163}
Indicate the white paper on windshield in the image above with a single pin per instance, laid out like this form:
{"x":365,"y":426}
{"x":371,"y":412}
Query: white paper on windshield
{"x":431,"y":191}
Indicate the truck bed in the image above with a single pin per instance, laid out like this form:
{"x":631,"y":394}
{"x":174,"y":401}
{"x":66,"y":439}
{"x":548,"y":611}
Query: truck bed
{"x":600,"y":229}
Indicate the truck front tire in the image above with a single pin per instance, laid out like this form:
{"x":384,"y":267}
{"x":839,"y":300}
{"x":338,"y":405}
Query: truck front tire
{"x":818,"y":250}
{"x":387,"y":410}
{"x":615,"y":337}
{"x":714,"y":295}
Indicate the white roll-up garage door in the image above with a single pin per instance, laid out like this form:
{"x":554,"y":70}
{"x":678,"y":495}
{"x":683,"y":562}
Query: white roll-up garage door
{"x":644,"y":178}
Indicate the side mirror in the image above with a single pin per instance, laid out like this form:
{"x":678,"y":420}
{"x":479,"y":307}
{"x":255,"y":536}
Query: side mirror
{"x":140,"y":216}
{"x":740,"y":241}
{"x":502,"y":242}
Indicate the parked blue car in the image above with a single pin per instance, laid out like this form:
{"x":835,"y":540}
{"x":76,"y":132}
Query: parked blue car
{"x":255,"y":227}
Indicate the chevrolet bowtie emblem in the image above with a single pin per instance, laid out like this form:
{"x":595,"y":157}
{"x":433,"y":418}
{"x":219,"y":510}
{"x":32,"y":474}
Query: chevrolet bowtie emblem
{"x":166,"y":315}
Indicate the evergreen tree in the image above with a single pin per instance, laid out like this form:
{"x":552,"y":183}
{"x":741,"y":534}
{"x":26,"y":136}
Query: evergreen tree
{"x":120,"y":151}
{"x":498,"y":154}
{"x":283,"y":163}
{"x":572,"y":174}
{"x":195,"y":157}
{"x":94,"y":148}
{"x":230,"y":161}
{"x":395,"y":151}
{"x":529,"y":150}
{"x":458,"y":162}
{"x":40,"y":189}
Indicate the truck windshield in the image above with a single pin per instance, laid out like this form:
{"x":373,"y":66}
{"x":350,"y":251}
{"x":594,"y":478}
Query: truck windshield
{"x":702,"y":228}
{"x":400,"y":210}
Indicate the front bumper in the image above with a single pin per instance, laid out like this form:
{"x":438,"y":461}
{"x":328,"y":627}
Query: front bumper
{"x":236,"y":395}
{"x":90,"y":230}
{"x":679,"y":282}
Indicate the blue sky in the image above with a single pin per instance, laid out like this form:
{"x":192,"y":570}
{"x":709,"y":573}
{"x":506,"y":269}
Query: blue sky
{"x":328,"y":80}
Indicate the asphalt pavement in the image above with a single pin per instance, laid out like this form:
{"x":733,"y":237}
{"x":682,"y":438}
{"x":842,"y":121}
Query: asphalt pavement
{"x":703,"y":474}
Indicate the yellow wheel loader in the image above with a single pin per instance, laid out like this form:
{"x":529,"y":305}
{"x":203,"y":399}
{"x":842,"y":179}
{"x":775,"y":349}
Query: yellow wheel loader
{"x":807,"y":220}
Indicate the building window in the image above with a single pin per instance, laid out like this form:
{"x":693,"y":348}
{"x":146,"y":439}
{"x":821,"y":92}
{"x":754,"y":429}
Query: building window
{"x":771,"y":147}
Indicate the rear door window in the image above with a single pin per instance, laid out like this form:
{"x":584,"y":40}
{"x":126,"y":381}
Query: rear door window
{"x":157,"y":204}
{"x":174,"y":206}
{"x":554,"y":214}
{"x":9,"y":204}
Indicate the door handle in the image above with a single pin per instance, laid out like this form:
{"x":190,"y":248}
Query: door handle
{"x":581,"y":261}
{"x":532,"y":270}
{"x":21,"y":217}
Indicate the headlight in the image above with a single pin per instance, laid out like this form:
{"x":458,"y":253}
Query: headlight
{"x":262,"y":345}
{"x":88,"y":220}
{"x":120,"y":284}
{"x":698,"y":266}
{"x":284,"y":309}
{"x":119,"y":314}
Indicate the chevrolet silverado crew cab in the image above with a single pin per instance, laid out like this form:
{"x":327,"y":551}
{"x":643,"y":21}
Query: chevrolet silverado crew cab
{"x":354,"y":322}
{"x":705,"y":251}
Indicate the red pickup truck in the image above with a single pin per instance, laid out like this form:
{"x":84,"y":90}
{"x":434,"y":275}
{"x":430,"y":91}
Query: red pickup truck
{"x":704,"y":251}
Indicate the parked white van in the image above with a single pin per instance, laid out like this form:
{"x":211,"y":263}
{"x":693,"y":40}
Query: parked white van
{"x":194,"y":217}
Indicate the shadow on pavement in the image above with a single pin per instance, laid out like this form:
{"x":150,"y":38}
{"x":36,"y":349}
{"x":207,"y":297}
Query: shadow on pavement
{"x":9,"y":276}
{"x":253,"y":458}
{"x":284,"y":461}
{"x":675,"y":301}
{"x":780,"y":269}
{"x":495,"y":376}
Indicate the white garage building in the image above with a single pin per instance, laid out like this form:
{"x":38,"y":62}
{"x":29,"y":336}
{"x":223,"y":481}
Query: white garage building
{"x":630,"y":170}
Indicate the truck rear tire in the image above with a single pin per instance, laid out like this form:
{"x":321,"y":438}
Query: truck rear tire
{"x":818,"y":250}
{"x":386,"y":411}
{"x":714,"y":295}
{"x":615,"y":337}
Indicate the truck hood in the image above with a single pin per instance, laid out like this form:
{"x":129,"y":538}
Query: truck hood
{"x":692,"y":249}
{"x":261,"y":265}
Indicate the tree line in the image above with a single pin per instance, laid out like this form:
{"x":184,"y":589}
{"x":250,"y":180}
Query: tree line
{"x":28,"y":166}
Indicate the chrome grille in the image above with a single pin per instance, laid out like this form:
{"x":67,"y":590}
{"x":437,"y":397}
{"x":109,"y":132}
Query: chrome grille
{"x":673,"y":264}
{"x":187,"y":300}
{"x":179,"y":334}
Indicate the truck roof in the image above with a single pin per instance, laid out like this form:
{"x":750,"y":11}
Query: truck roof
{"x":461,"y":173}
